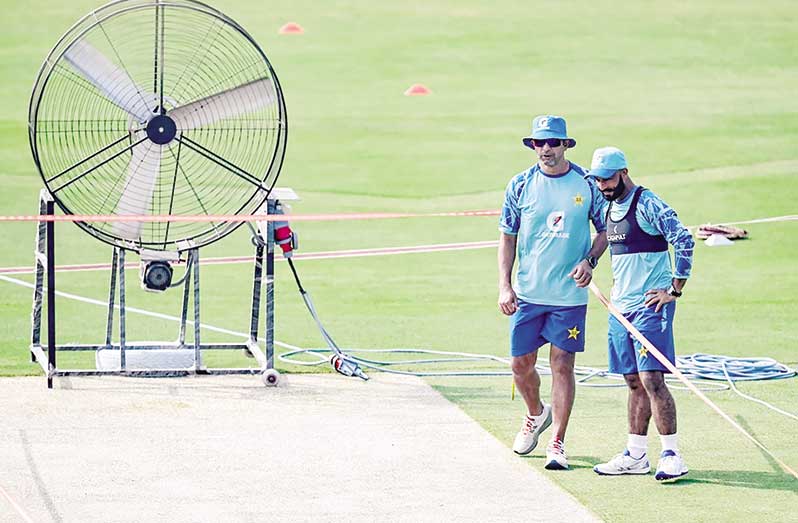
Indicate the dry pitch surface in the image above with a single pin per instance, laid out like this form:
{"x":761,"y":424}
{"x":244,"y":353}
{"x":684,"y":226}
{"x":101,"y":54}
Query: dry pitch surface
{"x":225,"y":448}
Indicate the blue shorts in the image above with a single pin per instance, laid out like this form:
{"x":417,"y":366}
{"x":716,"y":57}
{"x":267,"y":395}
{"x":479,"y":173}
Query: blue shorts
{"x":627,"y":355}
{"x":532,"y":326}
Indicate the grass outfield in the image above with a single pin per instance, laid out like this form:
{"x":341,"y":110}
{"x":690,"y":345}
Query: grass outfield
{"x":702,"y":99}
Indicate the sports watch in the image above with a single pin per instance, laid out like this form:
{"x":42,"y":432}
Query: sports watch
{"x":592,"y":261}
{"x":673,"y":292}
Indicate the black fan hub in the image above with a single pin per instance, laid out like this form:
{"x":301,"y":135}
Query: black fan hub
{"x":161,"y":129}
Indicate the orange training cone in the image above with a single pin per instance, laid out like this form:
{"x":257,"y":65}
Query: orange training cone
{"x":417,"y":90}
{"x":291,"y":28}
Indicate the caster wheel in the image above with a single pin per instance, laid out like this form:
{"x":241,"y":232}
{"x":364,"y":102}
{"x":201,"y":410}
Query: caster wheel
{"x":270,"y":377}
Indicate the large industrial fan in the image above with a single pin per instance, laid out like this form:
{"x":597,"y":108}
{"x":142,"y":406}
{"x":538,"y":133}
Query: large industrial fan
{"x":153,"y":108}
{"x":156,"y":107}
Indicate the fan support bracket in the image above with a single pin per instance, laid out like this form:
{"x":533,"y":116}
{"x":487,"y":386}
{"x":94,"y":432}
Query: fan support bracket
{"x":150,"y":359}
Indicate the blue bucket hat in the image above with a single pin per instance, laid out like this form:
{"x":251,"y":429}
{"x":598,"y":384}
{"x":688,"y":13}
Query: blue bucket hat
{"x":606,"y":162}
{"x":548,"y":126}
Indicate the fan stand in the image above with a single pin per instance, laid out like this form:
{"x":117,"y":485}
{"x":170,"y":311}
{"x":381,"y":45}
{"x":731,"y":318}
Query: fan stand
{"x":151,"y":359}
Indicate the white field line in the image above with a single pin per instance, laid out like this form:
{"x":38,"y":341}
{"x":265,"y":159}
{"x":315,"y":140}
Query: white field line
{"x":355,"y":253}
{"x":787,"y":218}
{"x":143,"y":312}
{"x":238,"y":259}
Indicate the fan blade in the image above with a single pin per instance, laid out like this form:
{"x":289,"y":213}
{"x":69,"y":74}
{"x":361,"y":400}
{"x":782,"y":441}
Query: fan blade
{"x":112,"y":81}
{"x":142,"y":173}
{"x":244,"y":99}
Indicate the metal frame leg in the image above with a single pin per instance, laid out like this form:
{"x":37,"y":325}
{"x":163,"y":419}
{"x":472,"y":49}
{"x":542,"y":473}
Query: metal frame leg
{"x":257,"y":285}
{"x":270,"y":301}
{"x":51,"y":361}
{"x":40,"y":262}
{"x":272,"y":209}
{"x":197,"y":353}
{"x":181,"y":337}
{"x":109,"y":326}
{"x":122,"y":315}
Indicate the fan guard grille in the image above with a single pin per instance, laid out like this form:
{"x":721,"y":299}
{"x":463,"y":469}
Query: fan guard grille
{"x":154,"y":107}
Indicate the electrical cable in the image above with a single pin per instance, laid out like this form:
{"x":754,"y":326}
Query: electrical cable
{"x":728,"y":369}
{"x":340,"y":361}
{"x":704,"y":369}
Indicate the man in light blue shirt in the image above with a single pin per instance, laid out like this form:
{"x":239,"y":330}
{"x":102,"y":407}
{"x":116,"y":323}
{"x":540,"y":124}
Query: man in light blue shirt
{"x":546,"y":220}
{"x":640,"y":227}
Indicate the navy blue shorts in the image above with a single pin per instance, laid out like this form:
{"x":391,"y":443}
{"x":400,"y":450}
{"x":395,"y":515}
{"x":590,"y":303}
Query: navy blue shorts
{"x":532,"y":326}
{"x":627,"y":355}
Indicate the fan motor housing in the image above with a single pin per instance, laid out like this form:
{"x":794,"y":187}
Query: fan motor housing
{"x":156,"y":275}
{"x":161,"y":129}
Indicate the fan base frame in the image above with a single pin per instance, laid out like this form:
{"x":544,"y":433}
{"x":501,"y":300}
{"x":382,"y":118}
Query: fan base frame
{"x":45,"y":353}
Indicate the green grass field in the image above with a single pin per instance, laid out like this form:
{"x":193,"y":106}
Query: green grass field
{"x":701,"y":97}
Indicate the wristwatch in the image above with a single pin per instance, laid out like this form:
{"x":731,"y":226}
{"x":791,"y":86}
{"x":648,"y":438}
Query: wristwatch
{"x":673,"y":292}
{"x":592,"y":261}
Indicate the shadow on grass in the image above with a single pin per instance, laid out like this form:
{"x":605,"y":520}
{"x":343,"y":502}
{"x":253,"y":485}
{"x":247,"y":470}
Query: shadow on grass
{"x":574,"y":462}
{"x":739,"y":478}
{"x":776,"y":480}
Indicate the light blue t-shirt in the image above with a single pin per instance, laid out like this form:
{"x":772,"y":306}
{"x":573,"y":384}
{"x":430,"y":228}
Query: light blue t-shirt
{"x":551,"y":217}
{"x":635,"y":273}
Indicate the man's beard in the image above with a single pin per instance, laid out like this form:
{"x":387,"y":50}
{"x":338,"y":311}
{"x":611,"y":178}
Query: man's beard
{"x":616,"y":193}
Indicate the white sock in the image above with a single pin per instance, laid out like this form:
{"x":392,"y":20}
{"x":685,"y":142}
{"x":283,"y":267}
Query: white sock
{"x":637,"y":445}
{"x":670,"y":442}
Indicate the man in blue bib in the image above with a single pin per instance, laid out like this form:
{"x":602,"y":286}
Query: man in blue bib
{"x":546,"y":220}
{"x":640,"y":226}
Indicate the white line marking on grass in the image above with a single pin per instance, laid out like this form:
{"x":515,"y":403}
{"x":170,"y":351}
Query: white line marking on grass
{"x":789,"y":218}
{"x":141,"y":311}
{"x":786,"y":218}
{"x":381,"y":251}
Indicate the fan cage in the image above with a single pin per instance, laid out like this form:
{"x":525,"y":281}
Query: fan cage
{"x":240,"y":196}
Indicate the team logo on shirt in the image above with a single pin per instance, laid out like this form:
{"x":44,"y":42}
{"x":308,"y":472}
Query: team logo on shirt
{"x":556,"y":222}
{"x":615,"y":236}
{"x":579,"y":199}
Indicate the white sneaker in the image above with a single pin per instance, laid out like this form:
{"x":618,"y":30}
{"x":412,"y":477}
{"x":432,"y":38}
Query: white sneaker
{"x":555,"y":456}
{"x":527,"y":438}
{"x":670,"y":466}
{"x":623,"y":464}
